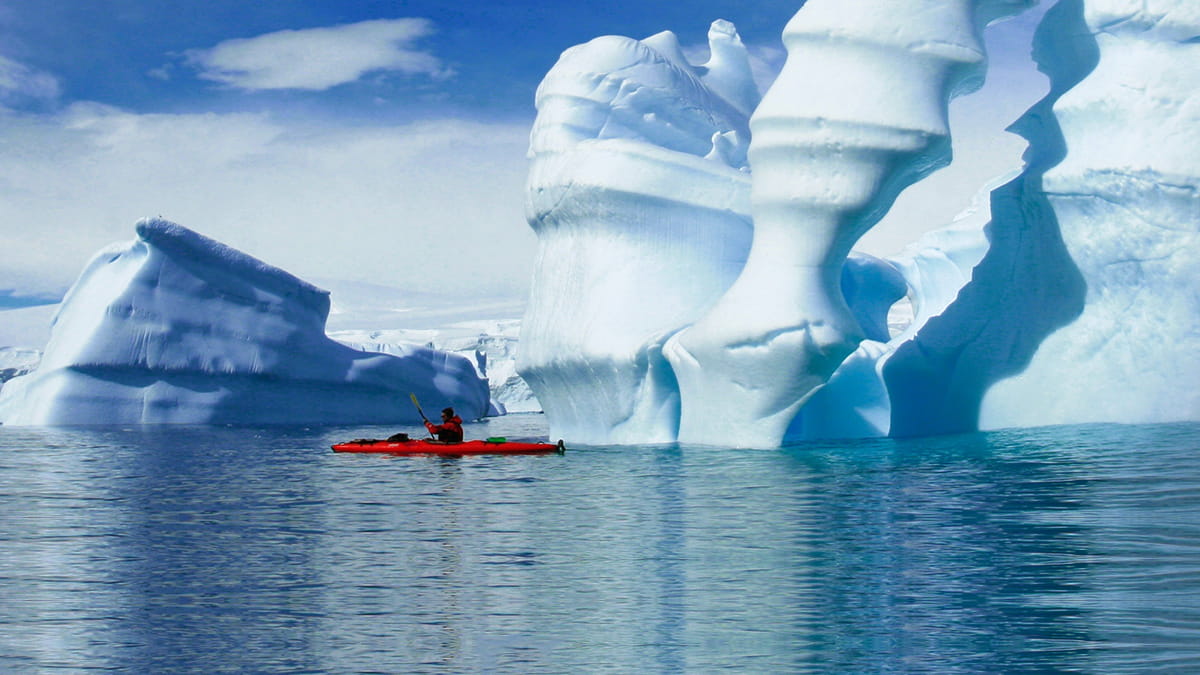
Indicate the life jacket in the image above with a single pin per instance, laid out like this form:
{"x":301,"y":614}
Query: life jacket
{"x":450,"y":432}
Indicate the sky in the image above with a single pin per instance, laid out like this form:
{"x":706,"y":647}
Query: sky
{"x":369,"y":141}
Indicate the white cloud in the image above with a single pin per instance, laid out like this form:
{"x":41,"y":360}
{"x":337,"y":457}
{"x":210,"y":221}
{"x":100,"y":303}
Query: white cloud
{"x":20,"y":82}
{"x":435,"y":206}
{"x":319,"y":58}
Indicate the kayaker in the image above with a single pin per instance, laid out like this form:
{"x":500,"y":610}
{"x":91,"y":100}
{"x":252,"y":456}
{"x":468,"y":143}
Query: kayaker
{"x":450,"y":430}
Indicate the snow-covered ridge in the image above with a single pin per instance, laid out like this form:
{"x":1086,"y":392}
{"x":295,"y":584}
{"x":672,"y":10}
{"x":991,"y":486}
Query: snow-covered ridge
{"x":175,"y":327}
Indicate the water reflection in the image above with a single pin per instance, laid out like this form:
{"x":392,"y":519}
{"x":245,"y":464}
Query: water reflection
{"x":259,"y":550}
{"x":940,"y":556}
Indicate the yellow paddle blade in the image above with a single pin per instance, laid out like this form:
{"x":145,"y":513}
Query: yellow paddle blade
{"x":418,"y":404}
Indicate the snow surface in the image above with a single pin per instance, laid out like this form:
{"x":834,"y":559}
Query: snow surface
{"x":175,"y":327}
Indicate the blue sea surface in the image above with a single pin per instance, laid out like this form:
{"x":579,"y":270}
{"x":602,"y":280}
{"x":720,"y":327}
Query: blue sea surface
{"x":207,"y":550}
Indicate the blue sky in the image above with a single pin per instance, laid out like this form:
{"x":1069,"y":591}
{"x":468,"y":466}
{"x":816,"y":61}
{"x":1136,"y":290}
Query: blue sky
{"x":134,"y":54}
{"x":399,"y":159}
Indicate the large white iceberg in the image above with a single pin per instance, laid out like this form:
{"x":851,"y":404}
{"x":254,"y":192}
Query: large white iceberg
{"x":1082,"y":284}
{"x":639,"y":196}
{"x":177,"y":328}
{"x":1084,"y":308}
{"x":858,"y":113}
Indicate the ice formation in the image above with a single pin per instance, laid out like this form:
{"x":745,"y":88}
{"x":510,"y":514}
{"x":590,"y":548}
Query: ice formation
{"x":1077,"y":302}
{"x":1126,"y":197}
{"x":833,"y":144}
{"x":177,"y":328}
{"x":858,"y":113}
{"x":1025,"y":287}
{"x":855,"y":402}
{"x":697,"y":283}
{"x":639,"y":196}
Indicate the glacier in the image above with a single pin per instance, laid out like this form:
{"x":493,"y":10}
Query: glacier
{"x":720,"y":302}
{"x":174,"y":327}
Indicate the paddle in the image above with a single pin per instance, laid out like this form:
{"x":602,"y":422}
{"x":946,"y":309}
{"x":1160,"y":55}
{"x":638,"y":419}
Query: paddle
{"x":418,"y":404}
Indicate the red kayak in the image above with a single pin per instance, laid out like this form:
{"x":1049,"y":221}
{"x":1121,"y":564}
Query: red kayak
{"x":491,"y":446}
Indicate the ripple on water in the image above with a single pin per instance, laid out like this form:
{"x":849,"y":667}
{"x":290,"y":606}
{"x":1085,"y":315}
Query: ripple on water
{"x":220,"y":549}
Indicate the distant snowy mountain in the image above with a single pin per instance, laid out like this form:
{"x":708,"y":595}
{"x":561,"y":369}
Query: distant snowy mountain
{"x":12,"y":299}
{"x":15,"y":361}
{"x":365,"y":306}
{"x":491,"y":345}
{"x":484,"y":329}
{"x":27,"y":327}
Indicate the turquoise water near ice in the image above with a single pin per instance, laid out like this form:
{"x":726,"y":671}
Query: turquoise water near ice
{"x":207,"y":550}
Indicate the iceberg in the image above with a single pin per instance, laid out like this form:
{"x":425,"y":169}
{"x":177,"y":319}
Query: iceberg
{"x":858,"y":113}
{"x":1074,"y":301}
{"x":1126,"y":197}
{"x":177,"y":328}
{"x":639,"y":195}
{"x":1084,"y":308}
{"x":1024,"y":288}
{"x":654,"y":317}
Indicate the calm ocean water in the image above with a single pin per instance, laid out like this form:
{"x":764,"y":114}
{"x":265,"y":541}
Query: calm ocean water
{"x":208,"y":550}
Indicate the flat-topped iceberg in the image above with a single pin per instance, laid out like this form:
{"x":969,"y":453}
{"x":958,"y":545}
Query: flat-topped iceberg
{"x":177,"y":328}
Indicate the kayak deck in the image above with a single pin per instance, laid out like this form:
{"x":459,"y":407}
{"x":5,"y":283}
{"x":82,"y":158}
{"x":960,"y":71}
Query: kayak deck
{"x":430,"y":447}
